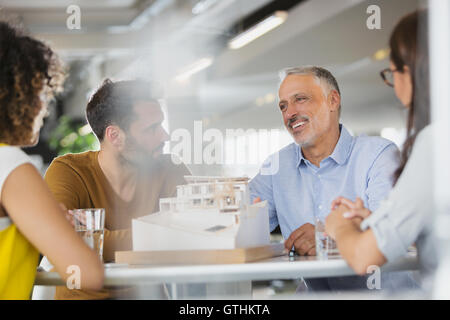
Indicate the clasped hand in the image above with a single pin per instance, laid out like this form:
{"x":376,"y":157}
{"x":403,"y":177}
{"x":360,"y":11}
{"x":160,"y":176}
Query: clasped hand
{"x":343,"y":211}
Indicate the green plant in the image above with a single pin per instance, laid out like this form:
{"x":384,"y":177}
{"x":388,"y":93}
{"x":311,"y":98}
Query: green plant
{"x":72,"y":136}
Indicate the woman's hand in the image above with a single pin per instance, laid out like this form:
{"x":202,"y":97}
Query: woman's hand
{"x":336,"y":220}
{"x":356,"y":209}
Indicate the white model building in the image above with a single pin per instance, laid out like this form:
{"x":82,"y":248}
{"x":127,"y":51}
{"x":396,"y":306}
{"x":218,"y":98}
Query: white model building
{"x":207,"y":213}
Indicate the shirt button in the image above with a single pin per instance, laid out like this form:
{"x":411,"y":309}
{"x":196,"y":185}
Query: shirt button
{"x":320,"y":207}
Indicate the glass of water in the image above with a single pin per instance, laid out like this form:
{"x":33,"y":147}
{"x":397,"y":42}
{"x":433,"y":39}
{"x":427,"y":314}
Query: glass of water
{"x":325,"y":246}
{"x":90,"y":225}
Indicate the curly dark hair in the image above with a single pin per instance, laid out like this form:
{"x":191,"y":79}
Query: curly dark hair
{"x":113,"y":103}
{"x":29,"y":72}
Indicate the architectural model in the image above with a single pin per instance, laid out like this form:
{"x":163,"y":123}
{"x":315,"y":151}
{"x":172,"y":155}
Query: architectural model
{"x":207,"y":213}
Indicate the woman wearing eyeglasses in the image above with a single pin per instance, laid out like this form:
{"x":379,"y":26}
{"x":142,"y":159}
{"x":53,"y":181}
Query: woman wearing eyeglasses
{"x":405,"y":218}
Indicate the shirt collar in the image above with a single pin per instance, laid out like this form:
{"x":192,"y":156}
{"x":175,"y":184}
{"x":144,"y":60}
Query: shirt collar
{"x":340,"y":153}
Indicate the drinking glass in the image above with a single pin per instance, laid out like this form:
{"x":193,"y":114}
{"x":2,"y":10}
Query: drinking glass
{"x":325,"y":245}
{"x":90,"y":225}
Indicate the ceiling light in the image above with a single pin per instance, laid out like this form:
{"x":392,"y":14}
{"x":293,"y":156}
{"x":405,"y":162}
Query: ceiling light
{"x":259,"y":102}
{"x":269,"y":98}
{"x":197,"y":66}
{"x":381,"y":54}
{"x":258,"y":30}
{"x":203,"y":5}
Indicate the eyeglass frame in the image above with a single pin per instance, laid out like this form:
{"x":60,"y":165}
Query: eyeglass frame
{"x":383,"y":76}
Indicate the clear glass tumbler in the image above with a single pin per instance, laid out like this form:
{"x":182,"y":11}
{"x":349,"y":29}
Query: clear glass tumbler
{"x":325,"y":246}
{"x":90,"y":225}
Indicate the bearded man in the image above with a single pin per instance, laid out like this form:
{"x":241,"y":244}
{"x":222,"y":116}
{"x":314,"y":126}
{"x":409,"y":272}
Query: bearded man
{"x":129,"y":174}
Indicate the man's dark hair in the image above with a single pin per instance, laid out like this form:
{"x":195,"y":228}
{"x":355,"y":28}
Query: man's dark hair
{"x":113,"y":103}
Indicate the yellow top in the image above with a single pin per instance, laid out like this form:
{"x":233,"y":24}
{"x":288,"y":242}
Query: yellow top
{"x":19,"y":260}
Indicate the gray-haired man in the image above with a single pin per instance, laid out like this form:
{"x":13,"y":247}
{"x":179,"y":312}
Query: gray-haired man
{"x":324,"y":162}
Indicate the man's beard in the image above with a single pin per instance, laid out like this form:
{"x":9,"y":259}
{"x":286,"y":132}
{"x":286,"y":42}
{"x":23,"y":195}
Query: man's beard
{"x":134,"y":157}
{"x":306,"y":141}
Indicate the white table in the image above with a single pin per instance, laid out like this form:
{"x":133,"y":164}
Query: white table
{"x":277,"y":268}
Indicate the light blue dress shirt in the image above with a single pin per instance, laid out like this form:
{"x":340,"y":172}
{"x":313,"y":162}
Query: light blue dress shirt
{"x":298,"y":192}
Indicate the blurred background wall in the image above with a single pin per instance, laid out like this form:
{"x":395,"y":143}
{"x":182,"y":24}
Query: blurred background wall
{"x":232,"y":88}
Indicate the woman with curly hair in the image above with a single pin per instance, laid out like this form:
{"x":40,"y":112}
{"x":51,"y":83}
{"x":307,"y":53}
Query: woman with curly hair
{"x":31,"y":221}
